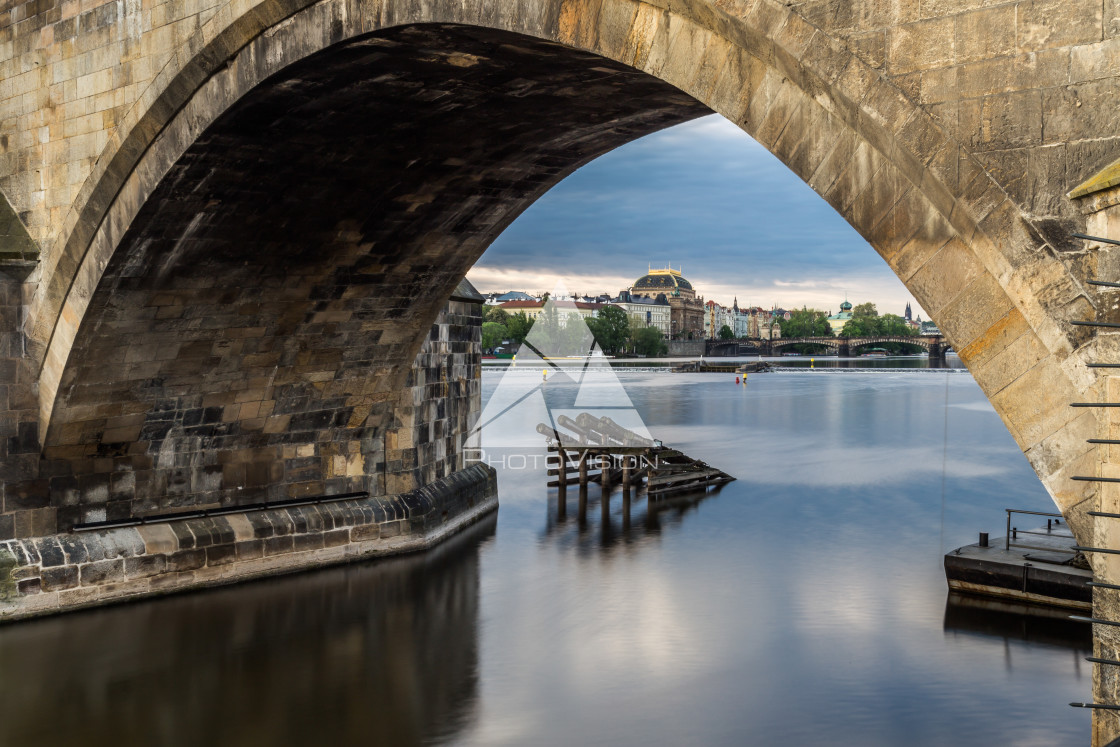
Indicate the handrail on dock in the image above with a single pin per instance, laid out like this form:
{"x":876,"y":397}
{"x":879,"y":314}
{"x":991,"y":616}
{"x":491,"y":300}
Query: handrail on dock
{"x":1007,"y":544}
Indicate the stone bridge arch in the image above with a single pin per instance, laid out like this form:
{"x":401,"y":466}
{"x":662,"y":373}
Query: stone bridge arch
{"x":784,"y":342}
{"x":922,"y":342}
{"x":945,"y":136}
{"x":854,"y":343}
{"x":933,"y":210}
{"x":922,"y":154}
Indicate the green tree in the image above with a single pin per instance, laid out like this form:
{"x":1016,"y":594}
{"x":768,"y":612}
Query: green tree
{"x":896,"y":326}
{"x":864,"y":310}
{"x":495,"y":314}
{"x":806,"y":322}
{"x":725,"y":333}
{"x":493,"y":334}
{"x":648,"y":341}
{"x":861,"y":326}
{"x":518,"y":326}
{"x":548,"y":331}
{"x":576,"y":336}
{"x":611,"y":329}
{"x":866,"y":325}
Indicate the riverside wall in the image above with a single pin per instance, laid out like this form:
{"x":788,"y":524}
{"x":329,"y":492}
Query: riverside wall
{"x":421,"y":492}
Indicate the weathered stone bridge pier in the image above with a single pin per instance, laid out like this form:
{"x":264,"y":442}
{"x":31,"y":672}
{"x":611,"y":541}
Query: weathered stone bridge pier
{"x":228,"y":226}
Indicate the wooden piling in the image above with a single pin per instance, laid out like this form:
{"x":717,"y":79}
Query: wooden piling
{"x":664,"y":470}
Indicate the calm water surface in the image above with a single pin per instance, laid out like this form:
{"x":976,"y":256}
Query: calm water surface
{"x":803,"y":604}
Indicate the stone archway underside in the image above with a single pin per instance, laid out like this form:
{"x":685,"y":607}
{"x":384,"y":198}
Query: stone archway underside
{"x":249,"y":333}
{"x":1001,"y":284}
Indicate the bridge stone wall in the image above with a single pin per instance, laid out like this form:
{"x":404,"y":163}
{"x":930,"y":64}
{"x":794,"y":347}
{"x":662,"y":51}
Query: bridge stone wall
{"x":440,"y":403}
{"x":946,"y":133}
{"x":421,"y":492}
{"x":207,"y":449}
{"x":63,"y":572}
{"x":686,"y":347}
{"x":923,"y":124}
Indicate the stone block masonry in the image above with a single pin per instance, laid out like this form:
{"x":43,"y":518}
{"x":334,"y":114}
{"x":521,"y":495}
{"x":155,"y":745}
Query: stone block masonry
{"x":417,"y":489}
{"x":188,"y":288}
{"x":45,"y":575}
{"x":268,"y":330}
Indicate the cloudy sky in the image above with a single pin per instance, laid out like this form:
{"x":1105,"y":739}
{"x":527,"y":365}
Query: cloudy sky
{"x":703,"y":196}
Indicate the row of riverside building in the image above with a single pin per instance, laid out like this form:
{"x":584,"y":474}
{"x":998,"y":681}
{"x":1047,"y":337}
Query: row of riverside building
{"x":665,"y":299}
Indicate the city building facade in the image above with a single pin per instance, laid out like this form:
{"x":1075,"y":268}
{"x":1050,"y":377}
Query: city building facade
{"x":646,"y":311}
{"x":686,"y":309}
{"x":763,"y":324}
{"x":533,"y":309}
{"x":716,"y":317}
{"x":838,"y":320}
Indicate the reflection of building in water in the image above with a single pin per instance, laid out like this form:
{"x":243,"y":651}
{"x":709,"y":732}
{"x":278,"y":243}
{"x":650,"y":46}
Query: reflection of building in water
{"x":377,"y":652}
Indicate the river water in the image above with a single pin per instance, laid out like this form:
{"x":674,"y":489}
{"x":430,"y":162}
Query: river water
{"x":803,"y":604}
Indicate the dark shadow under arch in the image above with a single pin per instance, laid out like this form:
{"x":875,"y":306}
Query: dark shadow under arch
{"x":269,"y":298}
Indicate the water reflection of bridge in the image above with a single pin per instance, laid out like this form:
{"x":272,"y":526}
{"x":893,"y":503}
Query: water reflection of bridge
{"x":936,"y":346}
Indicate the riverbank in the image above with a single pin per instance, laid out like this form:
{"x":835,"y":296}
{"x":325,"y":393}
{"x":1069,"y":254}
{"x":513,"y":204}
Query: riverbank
{"x":813,"y":582}
{"x":870,"y":363}
{"x":77,"y":570}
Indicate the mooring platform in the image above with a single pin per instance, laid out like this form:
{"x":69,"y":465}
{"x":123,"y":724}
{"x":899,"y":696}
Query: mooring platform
{"x":1037,"y":566}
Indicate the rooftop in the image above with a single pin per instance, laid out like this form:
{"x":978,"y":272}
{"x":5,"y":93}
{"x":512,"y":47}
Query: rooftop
{"x":662,"y":279}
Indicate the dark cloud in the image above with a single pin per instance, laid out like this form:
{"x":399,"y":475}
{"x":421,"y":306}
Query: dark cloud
{"x":703,"y":195}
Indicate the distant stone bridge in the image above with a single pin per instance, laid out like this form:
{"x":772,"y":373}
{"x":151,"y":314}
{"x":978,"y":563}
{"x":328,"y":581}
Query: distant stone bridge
{"x":843,"y":346}
{"x":226,"y":228}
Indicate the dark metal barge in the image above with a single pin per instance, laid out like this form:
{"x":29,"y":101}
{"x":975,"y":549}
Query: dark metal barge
{"x":1037,"y":566}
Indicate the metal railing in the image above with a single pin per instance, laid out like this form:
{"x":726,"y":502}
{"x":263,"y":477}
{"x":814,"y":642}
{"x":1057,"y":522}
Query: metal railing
{"x":1093,"y":478}
{"x":1014,"y":532}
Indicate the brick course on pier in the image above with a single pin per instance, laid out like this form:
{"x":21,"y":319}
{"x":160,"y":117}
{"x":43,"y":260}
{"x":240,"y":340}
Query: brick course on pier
{"x":75,"y":570}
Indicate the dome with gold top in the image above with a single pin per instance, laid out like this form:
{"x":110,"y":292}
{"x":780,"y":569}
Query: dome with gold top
{"x":667,"y":280}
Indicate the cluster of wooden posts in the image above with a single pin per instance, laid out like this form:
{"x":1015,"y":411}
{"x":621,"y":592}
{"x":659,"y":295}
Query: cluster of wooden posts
{"x":596,"y":449}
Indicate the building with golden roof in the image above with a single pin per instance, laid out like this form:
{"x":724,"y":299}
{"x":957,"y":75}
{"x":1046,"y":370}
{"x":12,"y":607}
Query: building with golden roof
{"x":686,"y":309}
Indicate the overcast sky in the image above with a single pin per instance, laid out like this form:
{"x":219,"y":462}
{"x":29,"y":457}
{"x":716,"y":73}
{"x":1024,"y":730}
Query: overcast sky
{"x":704,"y":196}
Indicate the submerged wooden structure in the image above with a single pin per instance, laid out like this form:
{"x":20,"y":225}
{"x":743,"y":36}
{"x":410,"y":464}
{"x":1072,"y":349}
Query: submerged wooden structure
{"x":596,"y":449}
